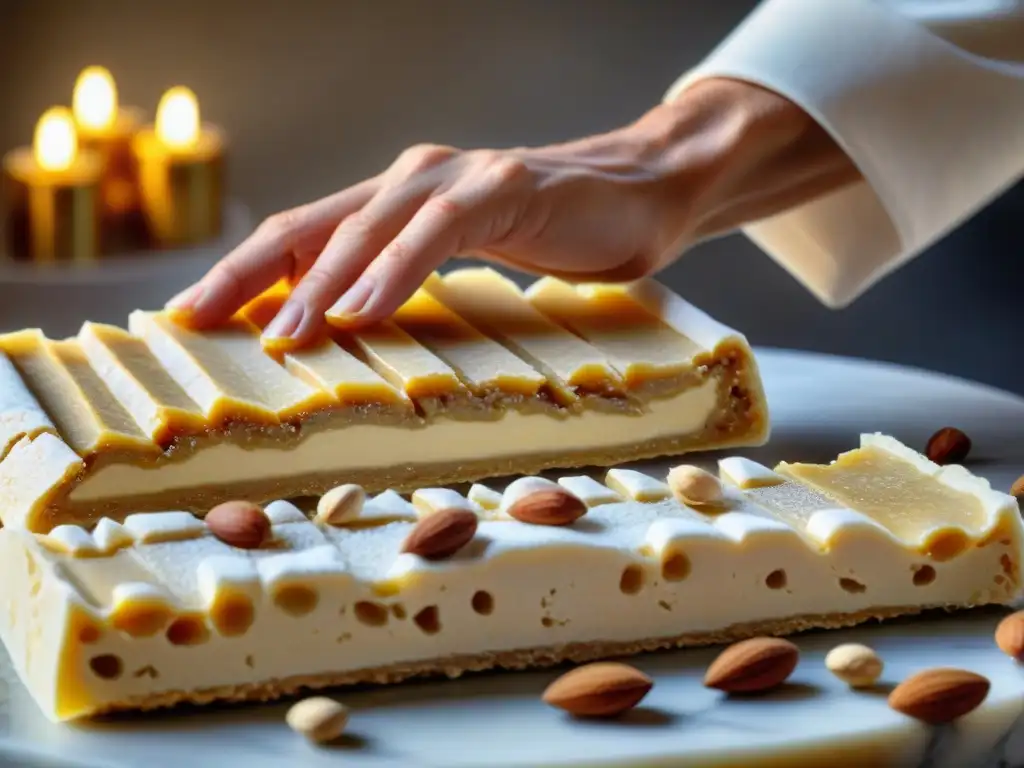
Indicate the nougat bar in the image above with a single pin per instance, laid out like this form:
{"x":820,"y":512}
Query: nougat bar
{"x":471,"y":378}
{"x":159,"y":609}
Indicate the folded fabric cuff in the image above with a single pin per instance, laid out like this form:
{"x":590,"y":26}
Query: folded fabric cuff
{"x":935,"y":131}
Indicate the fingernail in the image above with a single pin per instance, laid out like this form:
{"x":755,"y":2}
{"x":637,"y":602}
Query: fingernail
{"x":286,"y":321}
{"x":353,"y":300}
{"x":187,"y":299}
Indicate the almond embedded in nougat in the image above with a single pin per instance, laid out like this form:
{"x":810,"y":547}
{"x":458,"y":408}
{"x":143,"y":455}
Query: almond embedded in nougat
{"x":693,"y":485}
{"x":240,"y":524}
{"x":752,"y":666}
{"x":340,"y":505}
{"x":440,"y":535}
{"x":548,"y":506}
{"x":601,"y":689}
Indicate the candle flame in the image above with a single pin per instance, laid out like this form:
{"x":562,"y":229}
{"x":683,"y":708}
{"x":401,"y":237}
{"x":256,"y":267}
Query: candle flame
{"x":56,"y":142}
{"x":94,"y":101}
{"x":177,"y":118}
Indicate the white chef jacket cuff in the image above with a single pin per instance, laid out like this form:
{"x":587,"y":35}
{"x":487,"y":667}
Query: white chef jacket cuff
{"x":935,"y":131}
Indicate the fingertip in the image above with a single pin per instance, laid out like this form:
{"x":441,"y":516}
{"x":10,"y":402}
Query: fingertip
{"x":181,"y":308}
{"x":396,"y":282}
{"x":294,"y":327}
{"x":203,"y":316}
{"x":349,"y":310}
{"x":186,"y":299}
{"x":198,"y":307}
{"x":311,"y":332}
{"x":382,"y":304}
{"x":277,"y":347}
{"x":341,"y":320}
{"x":181,"y":316}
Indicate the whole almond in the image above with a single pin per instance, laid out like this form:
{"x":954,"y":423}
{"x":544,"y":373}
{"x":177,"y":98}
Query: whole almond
{"x":856,"y":665}
{"x":939,"y":695}
{"x":601,"y":689}
{"x":553,"y":506}
{"x":239,"y":524}
{"x":948,"y":446}
{"x":754,"y":665}
{"x":440,"y":535}
{"x":693,"y":485}
{"x":1017,"y":491}
{"x":340,"y":505}
{"x":318,"y":718}
{"x":1010,"y":635}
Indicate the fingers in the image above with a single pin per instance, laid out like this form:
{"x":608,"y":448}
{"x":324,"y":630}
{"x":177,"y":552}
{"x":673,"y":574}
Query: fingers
{"x":265,"y":256}
{"x":348,"y":252}
{"x":412,"y":179}
{"x":425,"y":243}
{"x":393,"y":232}
{"x":478,"y":210}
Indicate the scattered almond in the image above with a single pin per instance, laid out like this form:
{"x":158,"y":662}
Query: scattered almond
{"x":856,"y":665}
{"x":948,"y":446}
{"x":753,"y":665}
{"x":239,"y":524}
{"x":693,"y":485}
{"x":602,"y":689}
{"x":441,"y":534}
{"x":340,"y":505}
{"x":939,"y":695}
{"x":1017,"y":491}
{"x":554,"y":506}
{"x":1010,"y":635}
{"x":319,"y":719}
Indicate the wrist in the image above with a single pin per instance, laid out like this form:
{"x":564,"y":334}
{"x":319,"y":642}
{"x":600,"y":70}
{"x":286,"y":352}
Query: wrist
{"x":723,"y":149}
{"x":719,"y":128}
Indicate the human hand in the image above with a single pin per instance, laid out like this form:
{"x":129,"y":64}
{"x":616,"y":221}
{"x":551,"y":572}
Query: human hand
{"x":610,"y":208}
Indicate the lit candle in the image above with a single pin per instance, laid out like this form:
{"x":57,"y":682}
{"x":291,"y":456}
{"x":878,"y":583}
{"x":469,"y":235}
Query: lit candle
{"x":108,"y":128}
{"x":53,"y":193}
{"x":180,"y":162}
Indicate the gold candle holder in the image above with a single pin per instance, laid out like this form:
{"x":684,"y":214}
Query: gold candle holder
{"x":52,"y":194}
{"x":108,"y":129}
{"x":181,"y":172}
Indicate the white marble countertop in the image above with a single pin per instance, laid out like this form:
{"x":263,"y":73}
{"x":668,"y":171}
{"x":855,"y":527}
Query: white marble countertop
{"x":820,"y":405}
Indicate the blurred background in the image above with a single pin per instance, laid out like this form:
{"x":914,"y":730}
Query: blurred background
{"x":317,"y":94}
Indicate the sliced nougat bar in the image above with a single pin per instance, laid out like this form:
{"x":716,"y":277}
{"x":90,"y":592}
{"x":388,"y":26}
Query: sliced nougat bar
{"x":21,"y":415}
{"x":88,"y":416}
{"x":327,"y":365}
{"x":471,"y":378}
{"x":640,"y":345}
{"x":159,"y":610}
{"x":496,"y":305}
{"x":489,"y":370}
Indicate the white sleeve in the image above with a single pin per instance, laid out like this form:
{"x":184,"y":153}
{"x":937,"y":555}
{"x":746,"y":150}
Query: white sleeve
{"x":936,"y":131}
